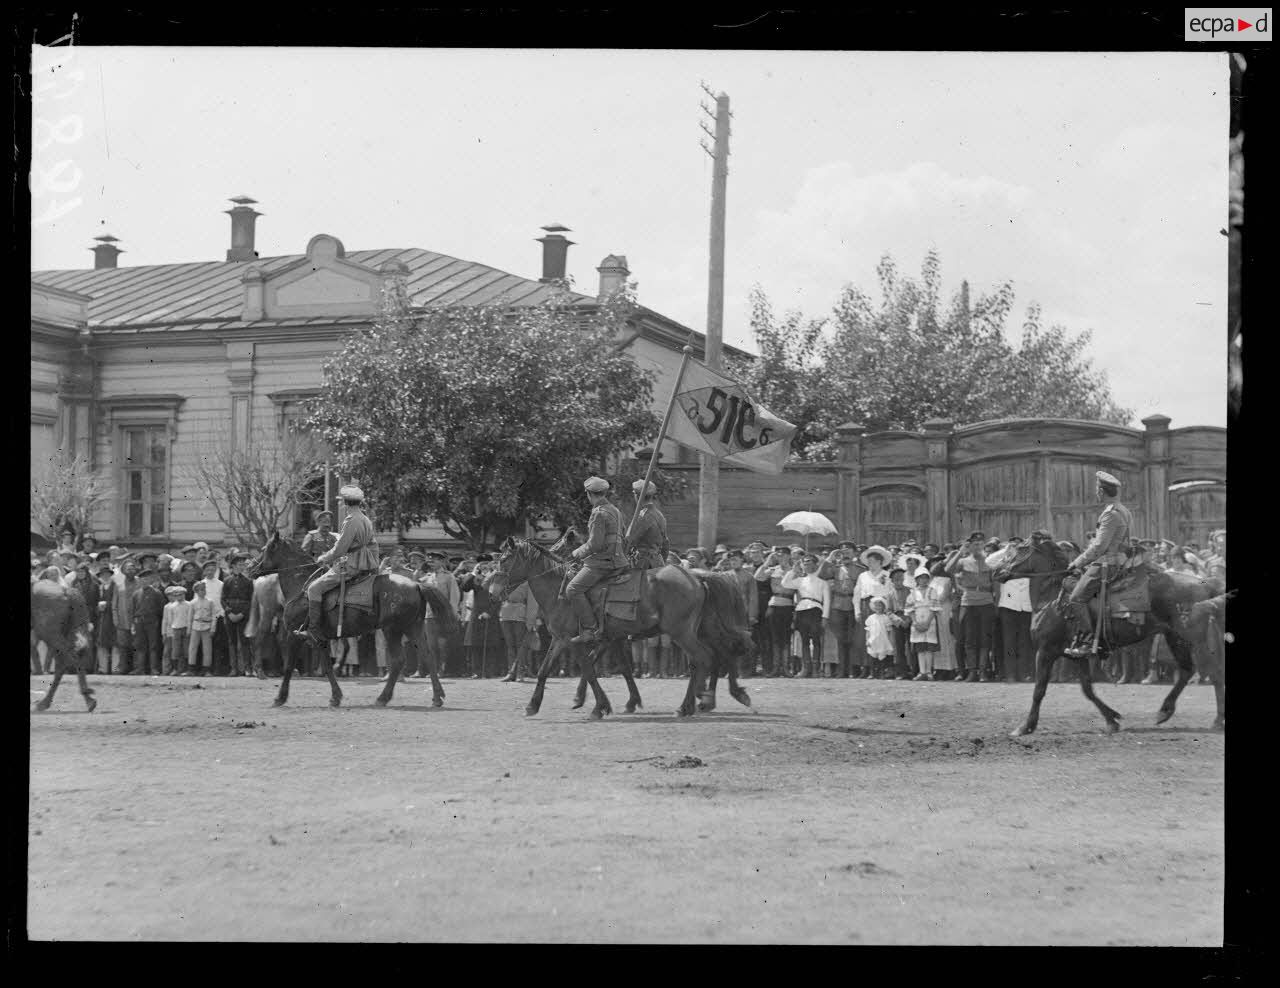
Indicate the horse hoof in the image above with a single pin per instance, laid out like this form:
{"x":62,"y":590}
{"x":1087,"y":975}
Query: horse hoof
{"x":335,"y":701}
{"x":40,"y":706}
{"x":1019,"y":731}
{"x":681,"y":712}
{"x":92,"y":705}
{"x":277,"y":703}
{"x":1219,"y":725}
{"x":437,"y":701}
{"x":1113,"y":727}
{"x":530,"y":711}
{"x":380,"y":702}
{"x":630,"y":708}
{"x":1163,"y":715}
{"x":597,"y":715}
{"x":578,"y":703}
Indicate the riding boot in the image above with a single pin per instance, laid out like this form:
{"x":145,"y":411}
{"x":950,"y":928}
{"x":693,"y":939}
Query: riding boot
{"x":586,"y":620}
{"x":315,"y":623}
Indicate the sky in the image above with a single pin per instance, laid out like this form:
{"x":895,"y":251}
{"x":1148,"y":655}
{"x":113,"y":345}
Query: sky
{"x":1095,"y":182}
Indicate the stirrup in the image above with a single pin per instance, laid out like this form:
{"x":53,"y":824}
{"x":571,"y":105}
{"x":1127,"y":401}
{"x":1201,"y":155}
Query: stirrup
{"x":1080,"y":649}
{"x":588,"y":635}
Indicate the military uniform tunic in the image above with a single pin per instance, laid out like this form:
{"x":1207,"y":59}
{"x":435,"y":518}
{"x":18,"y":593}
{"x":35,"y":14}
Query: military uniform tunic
{"x":649,"y":542}
{"x":355,"y":552}
{"x":602,"y":553}
{"x":1107,"y":546}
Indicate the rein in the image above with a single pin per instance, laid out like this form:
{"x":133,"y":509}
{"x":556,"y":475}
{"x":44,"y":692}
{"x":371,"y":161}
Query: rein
{"x":545,"y":555}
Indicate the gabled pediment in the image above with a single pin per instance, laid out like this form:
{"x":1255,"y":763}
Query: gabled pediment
{"x":322,"y":283}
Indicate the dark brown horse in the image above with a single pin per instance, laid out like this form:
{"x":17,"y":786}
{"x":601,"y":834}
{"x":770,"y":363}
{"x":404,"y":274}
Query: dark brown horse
{"x":703,"y":614}
{"x":1172,"y":597}
{"x":399,"y":609}
{"x":60,"y":618}
{"x":622,"y":655}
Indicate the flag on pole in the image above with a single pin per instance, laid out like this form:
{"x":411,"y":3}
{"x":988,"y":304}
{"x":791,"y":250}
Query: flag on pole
{"x":715,"y":415}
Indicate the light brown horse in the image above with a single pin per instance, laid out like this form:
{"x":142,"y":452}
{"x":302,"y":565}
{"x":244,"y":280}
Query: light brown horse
{"x":1173,"y":596}
{"x":702,"y":613}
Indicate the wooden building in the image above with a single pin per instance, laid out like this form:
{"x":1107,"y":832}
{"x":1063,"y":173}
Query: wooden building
{"x":140,"y":368}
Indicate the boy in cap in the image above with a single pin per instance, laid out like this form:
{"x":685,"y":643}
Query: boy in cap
{"x":201,"y":639}
{"x":601,"y":556}
{"x":968,"y":566}
{"x":1104,"y":551}
{"x":174,"y":628}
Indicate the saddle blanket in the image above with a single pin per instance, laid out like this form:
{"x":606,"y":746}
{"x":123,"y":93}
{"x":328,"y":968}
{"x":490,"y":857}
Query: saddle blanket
{"x":623,"y":595}
{"x":1129,"y":594}
{"x":359,"y":594}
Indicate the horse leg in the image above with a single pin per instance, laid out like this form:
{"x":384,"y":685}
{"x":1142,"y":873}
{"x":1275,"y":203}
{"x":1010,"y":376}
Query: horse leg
{"x":700,"y":661}
{"x":58,"y":669}
{"x":623,"y":647}
{"x":548,"y":663}
{"x":85,"y":691}
{"x":1181,"y":649}
{"x":707,"y":697}
{"x":437,"y":690}
{"x":287,"y":664}
{"x":602,"y":706}
{"x":735,"y":691}
{"x":1046,"y":658}
{"x":335,"y":692}
{"x":580,"y":694}
{"x":395,"y":662}
{"x":1086,"y":687}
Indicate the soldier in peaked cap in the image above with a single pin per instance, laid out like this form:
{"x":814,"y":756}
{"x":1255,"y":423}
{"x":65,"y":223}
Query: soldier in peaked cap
{"x":354,"y":553}
{"x":649,"y":543}
{"x":321,"y":538}
{"x":1106,"y":549}
{"x":600,"y":555}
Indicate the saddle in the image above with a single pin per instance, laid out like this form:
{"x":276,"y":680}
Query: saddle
{"x":359,"y":595}
{"x":1129,"y":594}
{"x":616,"y":596}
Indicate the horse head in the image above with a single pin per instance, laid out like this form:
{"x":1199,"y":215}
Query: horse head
{"x":279,"y":553}
{"x":517,"y":560}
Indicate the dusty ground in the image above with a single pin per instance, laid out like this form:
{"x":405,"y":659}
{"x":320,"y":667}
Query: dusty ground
{"x":839,"y":812}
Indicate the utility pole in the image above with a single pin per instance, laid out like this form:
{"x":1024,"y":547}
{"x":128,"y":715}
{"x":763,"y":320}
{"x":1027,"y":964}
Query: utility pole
{"x":709,"y":476}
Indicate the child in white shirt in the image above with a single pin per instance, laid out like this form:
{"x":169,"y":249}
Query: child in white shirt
{"x":879,"y":631}
{"x":175,"y":624}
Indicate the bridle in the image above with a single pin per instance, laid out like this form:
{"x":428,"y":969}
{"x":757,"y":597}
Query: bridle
{"x":544,"y":555}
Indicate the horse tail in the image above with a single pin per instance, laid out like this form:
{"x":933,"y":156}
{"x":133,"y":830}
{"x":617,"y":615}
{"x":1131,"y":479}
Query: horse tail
{"x":440,"y":609}
{"x":723,"y":622}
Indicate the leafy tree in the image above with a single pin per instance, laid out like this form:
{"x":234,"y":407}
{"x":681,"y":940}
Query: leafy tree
{"x":64,"y":493}
{"x":483,"y":418}
{"x":903,"y":361}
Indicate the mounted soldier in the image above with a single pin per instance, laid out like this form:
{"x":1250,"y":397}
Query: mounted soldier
{"x":649,"y":544}
{"x":1107,"y":549}
{"x":354,"y":554}
{"x":601,"y":556}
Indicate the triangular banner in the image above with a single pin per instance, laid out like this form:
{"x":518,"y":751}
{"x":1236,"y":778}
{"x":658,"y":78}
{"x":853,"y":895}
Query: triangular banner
{"x":714,"y":414}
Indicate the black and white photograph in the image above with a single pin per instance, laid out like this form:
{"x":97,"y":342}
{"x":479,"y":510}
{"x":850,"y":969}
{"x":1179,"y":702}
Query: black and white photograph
{"x":632,"y":495}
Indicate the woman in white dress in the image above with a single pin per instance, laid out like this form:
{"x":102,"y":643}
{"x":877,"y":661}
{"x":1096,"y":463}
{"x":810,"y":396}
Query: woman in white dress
{"x":873,"y":584}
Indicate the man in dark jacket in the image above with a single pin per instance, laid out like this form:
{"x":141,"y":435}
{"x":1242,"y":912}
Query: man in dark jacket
{"x":148,"y":611}
{"x":237,"y":598}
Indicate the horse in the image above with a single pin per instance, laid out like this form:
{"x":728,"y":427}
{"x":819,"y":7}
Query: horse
{"x":1046,"y":564}
{"x":60,"y":618}
{"x":706,"y":699}
{"x":399,"y":603}
{"x":673,"y":601}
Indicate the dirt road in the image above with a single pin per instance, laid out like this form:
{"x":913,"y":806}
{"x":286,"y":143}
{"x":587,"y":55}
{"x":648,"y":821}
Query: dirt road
{"x":836,"y":812}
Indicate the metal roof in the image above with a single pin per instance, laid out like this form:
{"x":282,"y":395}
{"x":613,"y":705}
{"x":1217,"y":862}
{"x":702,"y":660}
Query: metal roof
{"x":194,"y":295}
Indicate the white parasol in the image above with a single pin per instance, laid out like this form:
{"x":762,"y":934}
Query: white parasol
{"x":807,"y":523}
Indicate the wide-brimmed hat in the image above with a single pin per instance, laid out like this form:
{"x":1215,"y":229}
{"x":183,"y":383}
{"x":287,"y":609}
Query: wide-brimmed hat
{"x":922,"y":572}
{"x":920,"y":560}
{"x":876,"y":550}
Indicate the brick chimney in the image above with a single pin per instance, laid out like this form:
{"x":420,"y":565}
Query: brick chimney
{"x":555,"y":252}
{"x":613,"y":275}
{"x":243,"y":217}
{"x":105,"y":254}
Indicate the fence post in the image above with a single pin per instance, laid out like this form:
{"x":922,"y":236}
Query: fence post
{"x":937,"y":479}
{"x":1155,"y":475}
{"x":849,"y":479}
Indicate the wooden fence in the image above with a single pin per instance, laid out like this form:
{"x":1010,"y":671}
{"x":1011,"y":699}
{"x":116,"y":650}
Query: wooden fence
{"x":1004,"y":478}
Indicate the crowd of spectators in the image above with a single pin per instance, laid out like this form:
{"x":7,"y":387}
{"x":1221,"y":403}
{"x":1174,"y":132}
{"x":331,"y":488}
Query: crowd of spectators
{"x":907,"y":611}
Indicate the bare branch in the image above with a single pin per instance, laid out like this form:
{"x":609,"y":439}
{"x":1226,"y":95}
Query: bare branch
{"x":64,"y":494}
